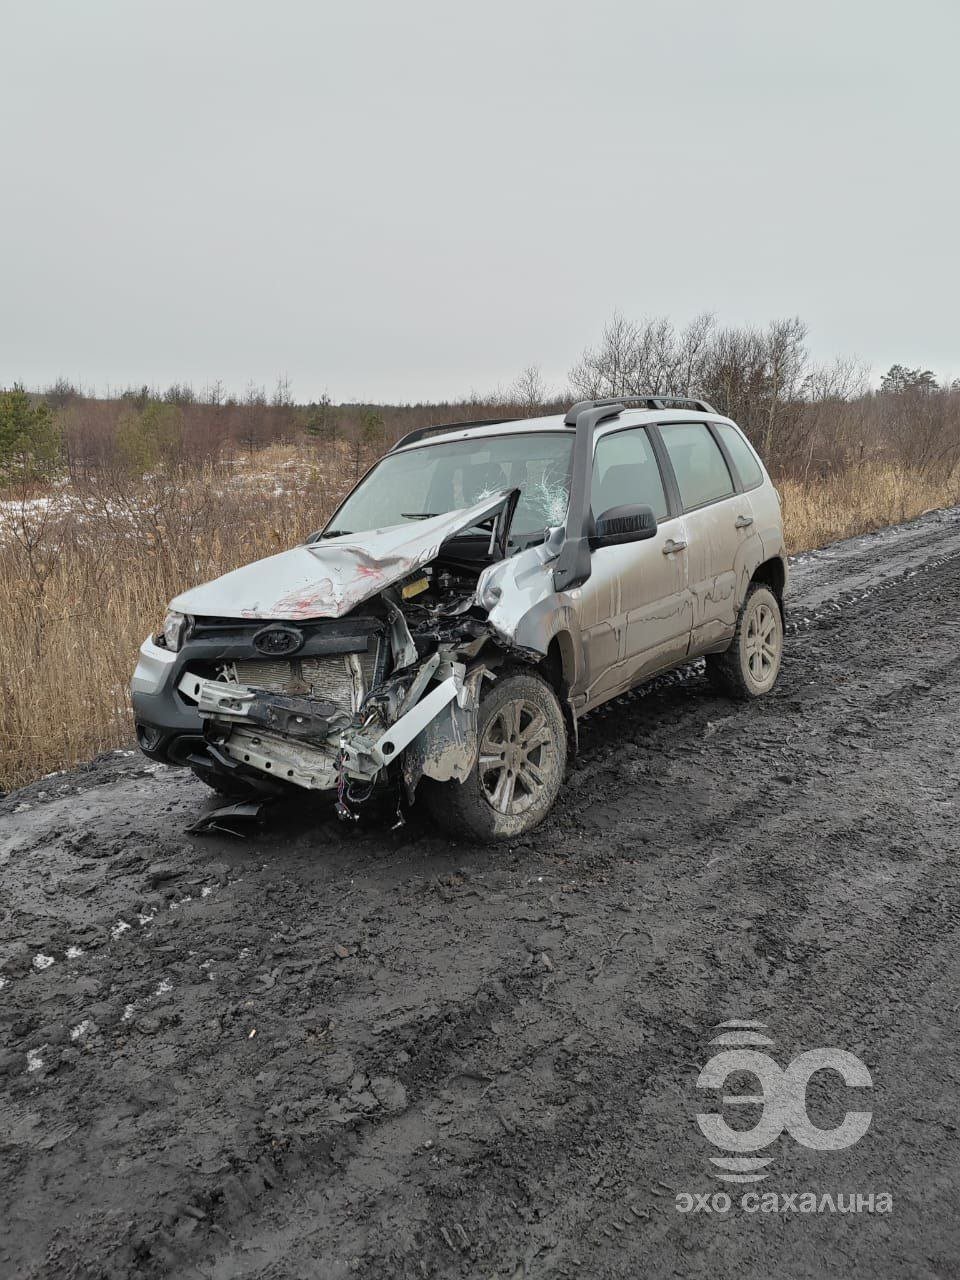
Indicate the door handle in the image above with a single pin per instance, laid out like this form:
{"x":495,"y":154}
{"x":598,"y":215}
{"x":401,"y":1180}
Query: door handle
{"x":743,"y":522}
{"x":673,"y":545}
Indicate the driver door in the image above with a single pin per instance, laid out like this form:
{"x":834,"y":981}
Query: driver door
{"x":636,"y":607}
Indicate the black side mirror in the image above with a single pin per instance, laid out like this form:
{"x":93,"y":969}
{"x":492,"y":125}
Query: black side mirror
{"x":624,"y":524}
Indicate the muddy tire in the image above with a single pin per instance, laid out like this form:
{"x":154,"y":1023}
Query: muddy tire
{"x":523,"y":751}
{"x":750,"y":667}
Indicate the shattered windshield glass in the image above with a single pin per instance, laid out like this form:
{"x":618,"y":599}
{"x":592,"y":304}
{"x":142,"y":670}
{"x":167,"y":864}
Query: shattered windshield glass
{"x":430,"y":481}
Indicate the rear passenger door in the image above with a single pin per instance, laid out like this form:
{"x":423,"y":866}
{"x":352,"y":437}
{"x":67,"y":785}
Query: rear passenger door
{"x":765,"y":536}
{"x":720,"y":530}
{"x":636,"y":611}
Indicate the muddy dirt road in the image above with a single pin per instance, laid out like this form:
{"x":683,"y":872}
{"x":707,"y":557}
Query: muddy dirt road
{"x":330,"y":1051}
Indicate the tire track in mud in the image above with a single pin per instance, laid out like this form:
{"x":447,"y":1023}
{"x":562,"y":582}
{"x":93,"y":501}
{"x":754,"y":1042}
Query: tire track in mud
{"x":933,"y":921}
{"x":496,"y":1075}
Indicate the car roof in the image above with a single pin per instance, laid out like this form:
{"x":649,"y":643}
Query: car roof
{"x":555,"y":422}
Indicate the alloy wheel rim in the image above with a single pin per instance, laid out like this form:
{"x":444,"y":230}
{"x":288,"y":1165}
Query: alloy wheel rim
{"x":517,"y":754}
{"x":762,"y":647}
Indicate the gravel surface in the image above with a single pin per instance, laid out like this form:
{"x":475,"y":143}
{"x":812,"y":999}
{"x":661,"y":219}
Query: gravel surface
{"x":328,"y":1050}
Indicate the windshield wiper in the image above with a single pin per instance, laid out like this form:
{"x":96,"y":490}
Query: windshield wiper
{"x":335,"y":533}
{"x":419,"y":515}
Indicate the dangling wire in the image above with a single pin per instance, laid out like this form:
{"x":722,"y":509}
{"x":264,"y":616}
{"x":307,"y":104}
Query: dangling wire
{"x":342,"y":809}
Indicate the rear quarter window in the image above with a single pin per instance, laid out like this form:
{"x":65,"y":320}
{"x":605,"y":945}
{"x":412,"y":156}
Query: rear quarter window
{"x":751,"y":473}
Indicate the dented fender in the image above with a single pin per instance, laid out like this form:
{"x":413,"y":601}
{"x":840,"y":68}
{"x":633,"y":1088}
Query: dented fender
{"x":526,"y":612}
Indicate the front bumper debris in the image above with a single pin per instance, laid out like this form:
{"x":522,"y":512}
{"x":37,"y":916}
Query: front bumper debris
{"x":316,"y":745}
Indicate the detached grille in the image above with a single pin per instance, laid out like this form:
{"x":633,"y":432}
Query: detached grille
{"x":332,"y":677}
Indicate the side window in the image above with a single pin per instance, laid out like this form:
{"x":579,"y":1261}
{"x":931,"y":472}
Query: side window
{"x":742,"y":455}
{"x":625,"y":473}
{"x":702,"y":474}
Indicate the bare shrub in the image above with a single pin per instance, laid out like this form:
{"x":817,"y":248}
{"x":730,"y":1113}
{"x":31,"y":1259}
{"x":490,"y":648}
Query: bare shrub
{"x":652,"y":356}
{"x":529,"y":392}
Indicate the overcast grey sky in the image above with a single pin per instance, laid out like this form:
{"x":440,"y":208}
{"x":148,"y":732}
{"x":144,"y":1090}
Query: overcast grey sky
{"x":412,"y":200}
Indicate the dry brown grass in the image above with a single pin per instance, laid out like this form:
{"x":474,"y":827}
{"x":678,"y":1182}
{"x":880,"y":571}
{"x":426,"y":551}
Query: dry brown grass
{"x":86,"y":574}
{"x":871,"y":496}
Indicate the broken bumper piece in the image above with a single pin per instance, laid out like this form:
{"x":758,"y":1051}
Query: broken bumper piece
{"x":315,"y":744}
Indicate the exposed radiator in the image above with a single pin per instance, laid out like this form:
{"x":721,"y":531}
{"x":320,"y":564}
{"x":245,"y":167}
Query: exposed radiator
{"x":333,"y":677}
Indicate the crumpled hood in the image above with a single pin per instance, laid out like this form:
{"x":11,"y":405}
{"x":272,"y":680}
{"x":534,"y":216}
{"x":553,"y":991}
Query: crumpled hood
{"x":327,"y":579}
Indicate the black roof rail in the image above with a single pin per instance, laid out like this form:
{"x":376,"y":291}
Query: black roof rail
{"x":413,"y":436}
{"x":648,"y":400}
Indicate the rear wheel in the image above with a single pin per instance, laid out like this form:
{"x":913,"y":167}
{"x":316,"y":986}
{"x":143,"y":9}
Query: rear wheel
{"x":519,"y":770}
{"x":750,"y":667}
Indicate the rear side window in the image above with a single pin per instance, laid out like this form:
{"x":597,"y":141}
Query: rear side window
{"x":742,"y":455}
{"x":702,"y":475}
{"x":625,"y":473}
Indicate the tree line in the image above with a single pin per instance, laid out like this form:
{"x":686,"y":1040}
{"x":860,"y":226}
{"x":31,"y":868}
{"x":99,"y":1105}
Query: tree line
{"x":803,"y":417}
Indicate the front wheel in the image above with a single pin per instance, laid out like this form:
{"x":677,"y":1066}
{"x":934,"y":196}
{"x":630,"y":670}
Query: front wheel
{"x":749,"y":668}
{"x":512,"y":786}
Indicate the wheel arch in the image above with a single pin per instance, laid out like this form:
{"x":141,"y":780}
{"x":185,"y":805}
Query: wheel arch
{"x":559,"y":668}
{"x":772,"y":573}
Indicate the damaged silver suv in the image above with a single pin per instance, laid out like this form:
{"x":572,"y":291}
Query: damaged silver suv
{"x":482,"y":588}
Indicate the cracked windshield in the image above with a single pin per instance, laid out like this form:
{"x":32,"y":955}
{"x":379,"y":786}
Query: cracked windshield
{"x":446,"y":477}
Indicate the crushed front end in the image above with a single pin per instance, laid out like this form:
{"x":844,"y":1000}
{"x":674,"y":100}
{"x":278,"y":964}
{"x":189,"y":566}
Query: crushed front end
{"x":376,"y":698}
{"x":384,"y":689}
